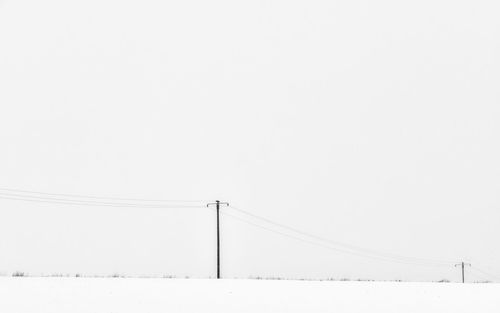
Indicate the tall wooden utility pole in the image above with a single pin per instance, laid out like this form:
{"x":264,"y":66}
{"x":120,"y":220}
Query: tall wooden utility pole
{"x":463,"y":264}
{"x":217,"y":206}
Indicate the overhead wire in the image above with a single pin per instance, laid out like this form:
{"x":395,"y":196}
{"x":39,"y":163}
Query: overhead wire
{"x":91,"y":201}
{"x":82,"y":200}
{"x":485,"y":273}
{"x":344,"y":245}
{"x":316,"y":243}
{"x":79,"y":203}
{"x":21,"y":191}
{"x":477,"y":276}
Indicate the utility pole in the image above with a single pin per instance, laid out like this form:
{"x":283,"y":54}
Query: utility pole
{"x":217,"y":207}
{"x":463,"y":264}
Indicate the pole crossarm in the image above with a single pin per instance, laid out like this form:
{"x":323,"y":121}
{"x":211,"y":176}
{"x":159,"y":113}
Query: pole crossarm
{"x":465,"y":264}
{"x":217,"y":202}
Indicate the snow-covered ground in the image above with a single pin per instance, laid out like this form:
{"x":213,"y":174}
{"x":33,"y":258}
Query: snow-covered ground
{"x":118,"y":295}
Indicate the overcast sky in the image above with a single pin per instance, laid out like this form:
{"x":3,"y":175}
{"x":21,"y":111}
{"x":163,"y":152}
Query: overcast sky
{"x":372,"y":123}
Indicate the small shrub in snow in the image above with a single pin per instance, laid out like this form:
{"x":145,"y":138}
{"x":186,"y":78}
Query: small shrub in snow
{"x":169,"y":276}
{"x":18,"y":274}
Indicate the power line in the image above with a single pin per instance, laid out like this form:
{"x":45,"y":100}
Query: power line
{"x":347,"y":246}
{"x":87,"y":203}
{"x":479,"y":275}
{"x":83,"y":202}
{"x":315,"y":243}
{"x":485,"y":273}
{"x":336,"y":242}
{"x":96,"y":197}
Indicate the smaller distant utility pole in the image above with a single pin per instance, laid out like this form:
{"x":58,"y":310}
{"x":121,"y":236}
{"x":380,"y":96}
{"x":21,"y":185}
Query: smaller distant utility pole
{"x":463,"y":264}
{"x":217,"y":206}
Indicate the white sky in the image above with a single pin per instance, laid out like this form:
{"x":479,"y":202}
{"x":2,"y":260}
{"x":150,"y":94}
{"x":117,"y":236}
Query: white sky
{"x":373,"y":123}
